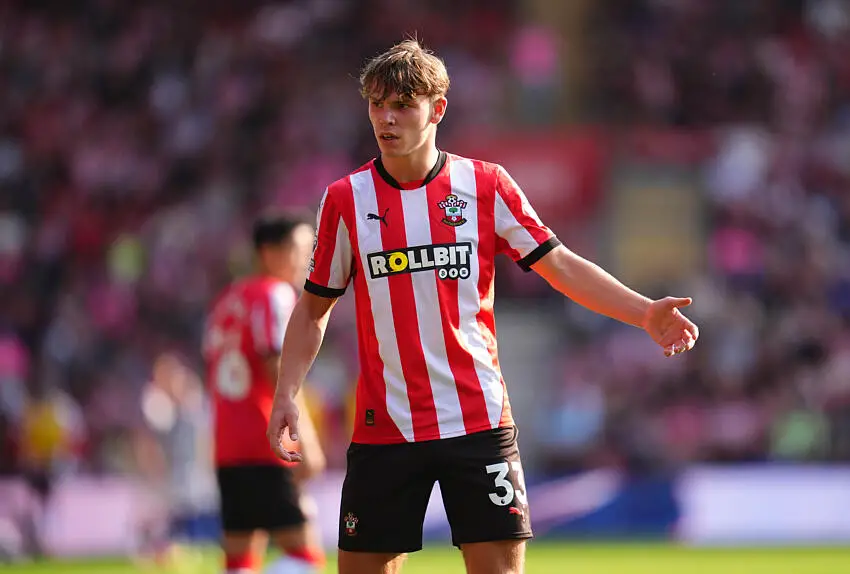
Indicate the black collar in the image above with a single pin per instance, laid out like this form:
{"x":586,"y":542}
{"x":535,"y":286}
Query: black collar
{"x":435,"y":171}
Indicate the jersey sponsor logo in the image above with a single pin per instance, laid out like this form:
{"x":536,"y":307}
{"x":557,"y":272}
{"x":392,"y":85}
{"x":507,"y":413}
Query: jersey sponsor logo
{"x":453,"y":208}
{"x":449,"y":260}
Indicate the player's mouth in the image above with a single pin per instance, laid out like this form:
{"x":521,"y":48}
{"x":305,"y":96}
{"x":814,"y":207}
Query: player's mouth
{"x":388,"y":137}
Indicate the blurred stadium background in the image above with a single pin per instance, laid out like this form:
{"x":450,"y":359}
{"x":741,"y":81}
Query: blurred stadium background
{"x":692,"y":147}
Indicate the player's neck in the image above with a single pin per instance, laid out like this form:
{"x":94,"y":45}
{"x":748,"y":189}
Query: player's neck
{"x":412,"y":167}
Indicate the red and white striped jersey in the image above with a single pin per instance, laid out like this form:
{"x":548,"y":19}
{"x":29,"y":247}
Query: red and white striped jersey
{"x":421,"y":257}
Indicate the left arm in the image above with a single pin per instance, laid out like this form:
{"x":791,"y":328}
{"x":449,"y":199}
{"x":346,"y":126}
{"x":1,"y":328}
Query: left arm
{"x":534,"y":247}
{"x":591,"y":286}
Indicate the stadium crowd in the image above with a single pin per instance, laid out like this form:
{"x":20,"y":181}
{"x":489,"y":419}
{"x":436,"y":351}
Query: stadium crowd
{"x":769,"y":84}
{"x":136,"y":145}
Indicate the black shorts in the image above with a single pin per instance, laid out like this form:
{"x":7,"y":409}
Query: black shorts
{"x":258,"y":497}
{"x":387,"y":488}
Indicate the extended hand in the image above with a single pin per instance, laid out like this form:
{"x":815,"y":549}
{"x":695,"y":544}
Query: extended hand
{"x":284,"y":417}
{"x":674,"y":332}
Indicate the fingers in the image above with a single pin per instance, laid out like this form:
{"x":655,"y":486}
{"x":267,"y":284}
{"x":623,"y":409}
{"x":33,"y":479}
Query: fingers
{"x":675,"y":349}
{"x":676,"y":302}
{"x":664,"y":316}
{"x":692,"y":330}
{"x":276,"y":443}
{"x":282,"y":421}
{"x":292,"y":455}
{"x":686,"y":343}
{"x":671,"y":336}
{"x":290,"y":422}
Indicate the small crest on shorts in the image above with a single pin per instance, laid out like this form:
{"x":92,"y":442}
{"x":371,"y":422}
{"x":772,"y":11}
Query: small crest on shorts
{"x":453,"y":208}
{"x":350,"y":524}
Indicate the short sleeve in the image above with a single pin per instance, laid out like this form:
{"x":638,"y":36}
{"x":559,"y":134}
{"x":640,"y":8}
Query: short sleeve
{"x":522,"y":235}
{"x":330,"y":267}
{"x":270,"y":317}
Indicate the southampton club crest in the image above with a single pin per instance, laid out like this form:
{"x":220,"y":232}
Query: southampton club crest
{"x":350,"y":524}
{"x":453,"y":206}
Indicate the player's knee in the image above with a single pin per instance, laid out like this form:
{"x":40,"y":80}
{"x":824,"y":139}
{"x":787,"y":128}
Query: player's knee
{"x":504,"y":557}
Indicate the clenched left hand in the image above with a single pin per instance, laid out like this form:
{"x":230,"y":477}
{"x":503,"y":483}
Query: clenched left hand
{"x":668,"y":327}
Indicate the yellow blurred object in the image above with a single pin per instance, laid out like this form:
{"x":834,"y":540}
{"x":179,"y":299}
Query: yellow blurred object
{"x":42,"y":433}
{"x":126,"y":259}
{"x":316,"y":410}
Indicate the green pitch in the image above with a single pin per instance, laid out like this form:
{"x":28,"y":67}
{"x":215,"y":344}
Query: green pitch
{"x":544,"y":558}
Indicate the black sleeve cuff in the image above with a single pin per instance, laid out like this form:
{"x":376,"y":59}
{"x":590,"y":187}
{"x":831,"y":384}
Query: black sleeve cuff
{"x":526,"y":262}
{"x":322,"y":291}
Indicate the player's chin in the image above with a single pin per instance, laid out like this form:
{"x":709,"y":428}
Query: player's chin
{"x":391,"y":148}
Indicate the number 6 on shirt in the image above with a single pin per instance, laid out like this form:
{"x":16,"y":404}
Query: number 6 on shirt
{"x":501,"y":471}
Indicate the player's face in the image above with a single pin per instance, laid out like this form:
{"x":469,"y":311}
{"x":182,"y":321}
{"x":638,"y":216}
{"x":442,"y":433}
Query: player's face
{"x":403,"y":125}
{"x":288,"y":260}
{"x":300,"y":250}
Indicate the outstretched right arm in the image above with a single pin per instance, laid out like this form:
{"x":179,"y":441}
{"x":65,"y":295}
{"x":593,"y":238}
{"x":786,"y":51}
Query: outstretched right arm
{"x":304,"y":335}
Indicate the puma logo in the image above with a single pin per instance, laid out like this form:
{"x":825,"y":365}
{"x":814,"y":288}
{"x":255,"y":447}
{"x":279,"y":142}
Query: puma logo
{"x":375,"y":217}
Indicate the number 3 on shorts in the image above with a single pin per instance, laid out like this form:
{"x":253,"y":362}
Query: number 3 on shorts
{"x":501,"y":470}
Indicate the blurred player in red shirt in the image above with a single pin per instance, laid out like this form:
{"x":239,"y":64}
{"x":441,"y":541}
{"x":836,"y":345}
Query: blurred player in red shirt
{"x":260,"y":494}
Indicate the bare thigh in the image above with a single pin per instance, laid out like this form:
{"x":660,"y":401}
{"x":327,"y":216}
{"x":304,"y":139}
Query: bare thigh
{"x":501,"y":557}
{"x":369,"y":563}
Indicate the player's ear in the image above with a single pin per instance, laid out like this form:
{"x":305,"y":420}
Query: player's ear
{"x":438,"y":109}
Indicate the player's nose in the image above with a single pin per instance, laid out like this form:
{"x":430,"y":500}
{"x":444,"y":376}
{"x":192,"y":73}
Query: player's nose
{"x":386,"y":117}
